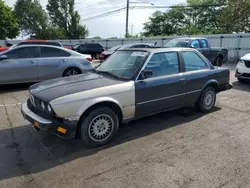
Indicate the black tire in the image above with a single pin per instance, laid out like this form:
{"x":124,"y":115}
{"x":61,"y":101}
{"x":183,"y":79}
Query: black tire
{"x":218,"y":61}
{"x":207,"y":100}
{"x":106,"y":127}
{"x":71,"y":72}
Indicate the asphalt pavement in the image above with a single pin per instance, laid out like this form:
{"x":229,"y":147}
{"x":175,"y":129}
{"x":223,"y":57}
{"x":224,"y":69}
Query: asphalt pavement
{"x":178,"y":149}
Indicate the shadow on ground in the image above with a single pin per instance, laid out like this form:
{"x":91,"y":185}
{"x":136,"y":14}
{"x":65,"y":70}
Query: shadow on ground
{"x":242,"y":86}
{"x":24,"y":151}
{"x":14,"y":87}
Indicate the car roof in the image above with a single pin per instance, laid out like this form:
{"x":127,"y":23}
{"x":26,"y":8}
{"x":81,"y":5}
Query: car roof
{"x":156,"y":50}
{"x":189,"y":38}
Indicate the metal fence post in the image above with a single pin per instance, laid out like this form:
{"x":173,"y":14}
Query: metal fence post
{"x":141,"y":40}
{"x":122,"y":41}
{"x":107,"y":44}
{"x":221,"y":39}
{"x":238,"y":47}
{"x":162,"y":42}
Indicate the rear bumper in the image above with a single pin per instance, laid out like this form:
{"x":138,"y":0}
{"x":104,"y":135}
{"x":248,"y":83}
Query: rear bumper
{"x":225,"y":87}
{"x":58,"y":128}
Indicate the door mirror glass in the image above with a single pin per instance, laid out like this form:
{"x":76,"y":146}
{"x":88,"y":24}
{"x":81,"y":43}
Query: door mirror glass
{"x":146,"y":74}
{"x":2,"y":57}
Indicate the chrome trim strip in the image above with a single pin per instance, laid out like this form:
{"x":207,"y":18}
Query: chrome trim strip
{"x":195,"y":91}
{"x":32,"y":115}
{"x":154,"y":100}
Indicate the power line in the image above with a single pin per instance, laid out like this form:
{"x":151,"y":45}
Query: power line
{"x":146,"y":7}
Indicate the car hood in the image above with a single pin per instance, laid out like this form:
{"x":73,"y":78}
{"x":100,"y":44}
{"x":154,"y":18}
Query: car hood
{"x":55,"y":88}
{"x":246,"y":57}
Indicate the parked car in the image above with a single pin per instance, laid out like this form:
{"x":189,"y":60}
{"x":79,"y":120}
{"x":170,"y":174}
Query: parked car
{"x":216,"y":55}
{"x":106,"y":54}
{"x":2,"y":49}
{"x":243,"y":68}
{"x":32,"y":63}
{"x":94,"y":49}
{"x":92,"y":105}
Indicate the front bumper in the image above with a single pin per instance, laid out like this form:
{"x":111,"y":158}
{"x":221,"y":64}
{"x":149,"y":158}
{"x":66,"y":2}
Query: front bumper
{"x":59,"y":128}
{"x":225,"y":87}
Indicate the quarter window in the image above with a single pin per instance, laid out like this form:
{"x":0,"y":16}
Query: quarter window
{"x":22,"y":53}
{"x":53,"y":52}
{"x":203,"y":43}
{"x":193,"y":62}
{"x":195,"y":44}
{"x":163,"y":64}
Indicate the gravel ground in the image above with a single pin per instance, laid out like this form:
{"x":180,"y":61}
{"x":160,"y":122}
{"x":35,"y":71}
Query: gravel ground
{"x":177,"y":149}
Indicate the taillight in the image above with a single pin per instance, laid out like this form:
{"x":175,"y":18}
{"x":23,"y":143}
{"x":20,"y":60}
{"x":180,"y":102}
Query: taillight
{"x":89,"y":59}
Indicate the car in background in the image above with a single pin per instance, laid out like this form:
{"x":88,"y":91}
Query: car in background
{"x":243,"y":68}
{"x":94,"y":49}
{"x":2,"y":49}
{"x":216,"y":55}
{"x":106,"y":54}
{"x":33,"y":63}
{"x":93,"y":105}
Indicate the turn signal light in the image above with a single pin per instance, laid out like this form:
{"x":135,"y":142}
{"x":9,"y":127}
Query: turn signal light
{"x":61,"y":130}
{"x":89,"y":59}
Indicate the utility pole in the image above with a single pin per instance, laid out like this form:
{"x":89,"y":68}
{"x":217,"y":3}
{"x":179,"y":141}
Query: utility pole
{"x":127,"y":16}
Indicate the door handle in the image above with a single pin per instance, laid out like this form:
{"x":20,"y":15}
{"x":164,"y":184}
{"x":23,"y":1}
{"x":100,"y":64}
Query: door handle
{"x":182,"y":79}
{"x":63,"y":60}
{"x":32,"y":62}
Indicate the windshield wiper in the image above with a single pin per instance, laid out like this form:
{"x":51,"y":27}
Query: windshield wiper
{"x":110,"y":74}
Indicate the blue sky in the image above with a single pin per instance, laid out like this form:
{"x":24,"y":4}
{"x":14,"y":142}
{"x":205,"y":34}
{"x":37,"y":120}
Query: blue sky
{"x":113,"y":25}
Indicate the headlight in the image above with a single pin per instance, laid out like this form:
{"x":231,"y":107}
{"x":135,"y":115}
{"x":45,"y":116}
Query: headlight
{"x":43,"y":105}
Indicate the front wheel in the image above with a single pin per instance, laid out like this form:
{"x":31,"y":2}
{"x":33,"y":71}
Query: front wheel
{"x":207,"y":100}
{"x":99,"y":126}
{"x":71,"y":72}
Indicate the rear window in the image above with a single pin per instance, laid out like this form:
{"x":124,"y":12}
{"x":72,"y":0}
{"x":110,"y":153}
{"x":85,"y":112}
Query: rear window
{"x":94,"y":45}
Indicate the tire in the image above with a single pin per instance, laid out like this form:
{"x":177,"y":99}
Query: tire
{"x":218,"y":61}
{"x":207,"y":100}
{"x":99,"y":126}
{"x":71,"y":72}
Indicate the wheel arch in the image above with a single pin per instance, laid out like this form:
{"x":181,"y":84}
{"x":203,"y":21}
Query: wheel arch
{"x":213,"y":83}
{"x":103,"y":102}
{"x":70,"y":67}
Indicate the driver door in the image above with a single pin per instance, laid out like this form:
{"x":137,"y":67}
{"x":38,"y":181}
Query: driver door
{"x":165,"y":89}
{"x":20,"y":66}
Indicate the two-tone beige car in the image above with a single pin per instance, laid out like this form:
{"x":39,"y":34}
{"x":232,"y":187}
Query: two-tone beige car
{"x":131,"y":84}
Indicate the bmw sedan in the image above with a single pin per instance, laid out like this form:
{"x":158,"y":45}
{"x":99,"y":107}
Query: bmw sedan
{"x":144,"y":82}
{"x":33,"y":63}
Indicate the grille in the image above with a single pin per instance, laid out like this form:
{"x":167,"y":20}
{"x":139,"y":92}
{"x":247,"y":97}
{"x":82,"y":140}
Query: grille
{"x":247,"y":63}
{"x":245,"y":75}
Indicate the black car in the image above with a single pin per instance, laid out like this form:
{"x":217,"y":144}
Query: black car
{"x":106,"y":54}
{"x":216,"y":55}
{"x":94,"y":49}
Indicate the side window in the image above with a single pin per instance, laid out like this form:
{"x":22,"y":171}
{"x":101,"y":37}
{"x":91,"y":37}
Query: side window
{"x":195,"y":44}
{"x":193,"y":62}
{"x":53,"y":52}
{"x":22,"y":53}
{"x":163,"y":64}
{"x":203,"y":43}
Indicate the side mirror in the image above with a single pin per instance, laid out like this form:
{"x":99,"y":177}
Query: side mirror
{"x":2,"y":57}
{"x":146,"y":74}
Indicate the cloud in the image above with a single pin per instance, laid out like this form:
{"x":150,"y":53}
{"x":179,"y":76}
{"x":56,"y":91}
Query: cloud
{"x":113,"y":25}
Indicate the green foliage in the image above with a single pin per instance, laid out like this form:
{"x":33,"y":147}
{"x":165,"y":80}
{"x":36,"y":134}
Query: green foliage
{"x":199,"y":18}
{"x":235,"y":17}
{"x":51,"y":33}
{"x":8,"y":23}
{"x":31,"y":16}
{"x":63,"y":15}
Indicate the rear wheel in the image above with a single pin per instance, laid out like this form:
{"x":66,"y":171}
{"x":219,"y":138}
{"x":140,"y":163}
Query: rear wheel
{"x":218,"y":61}
{"x":71,"y":72}
{"x":207,"y":100}
{"x":99,"y":126}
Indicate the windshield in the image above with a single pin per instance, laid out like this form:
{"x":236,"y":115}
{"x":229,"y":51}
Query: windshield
{"x":114,"y":48}
{"x":76,"y":46}
{"x":123,"y":64}
{"x":178,"y":43}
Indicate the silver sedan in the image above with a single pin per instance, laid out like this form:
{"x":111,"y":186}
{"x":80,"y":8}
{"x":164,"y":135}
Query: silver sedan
{"x":33,"y":63}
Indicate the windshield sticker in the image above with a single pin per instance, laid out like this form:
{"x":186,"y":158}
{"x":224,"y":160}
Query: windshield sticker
{"x":142,"y":54}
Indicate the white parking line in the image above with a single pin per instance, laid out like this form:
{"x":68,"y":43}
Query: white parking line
{"x":3,"y":105}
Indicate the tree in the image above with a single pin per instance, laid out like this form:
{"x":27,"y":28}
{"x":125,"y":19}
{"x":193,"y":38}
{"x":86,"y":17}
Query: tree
{"x":199,"y":17}
{"x":8,"y":23}
{"x":63,"y":15}
{"x":32,"y":17}
{"x":235,"y":17}
{"x":50,"y":33}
